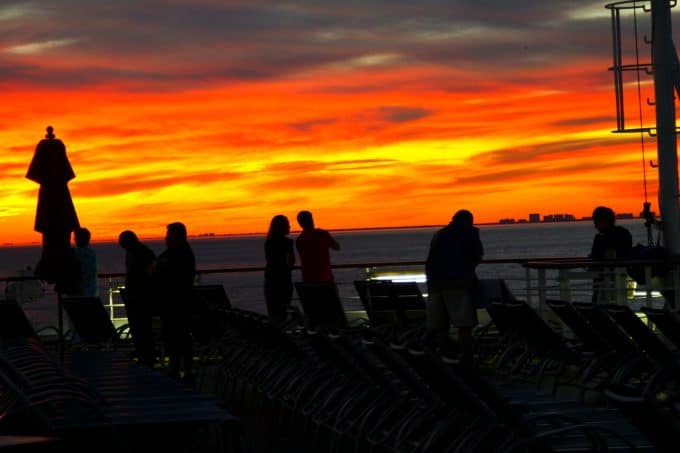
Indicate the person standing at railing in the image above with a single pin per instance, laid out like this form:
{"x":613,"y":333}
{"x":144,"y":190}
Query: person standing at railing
{"x":612,"y":242}
{"x":455,"y":252}
{"x":173,"y":273}
{"x":313,"y":246}
{"x":86,"y":284}
{"x":280,"y":258}
{"x":138,"y":295}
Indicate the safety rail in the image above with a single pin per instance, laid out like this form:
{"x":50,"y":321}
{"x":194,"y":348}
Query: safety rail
{"x":612,"y":277}
{"x":533,"y":279}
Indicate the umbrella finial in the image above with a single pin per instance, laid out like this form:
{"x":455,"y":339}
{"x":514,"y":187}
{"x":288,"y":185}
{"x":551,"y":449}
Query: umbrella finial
{"x":50,"y":132}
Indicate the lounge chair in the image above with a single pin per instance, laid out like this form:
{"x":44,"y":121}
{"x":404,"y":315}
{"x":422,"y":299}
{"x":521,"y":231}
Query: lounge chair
{"x":13,"y":321}
{"x":387,"y":302}
{"x":208,"y":306}
{"x":667,"y":322}
{"x":91,"y":321}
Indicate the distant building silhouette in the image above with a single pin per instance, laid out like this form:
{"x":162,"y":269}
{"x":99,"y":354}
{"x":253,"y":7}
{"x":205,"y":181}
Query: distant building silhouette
{"x":559,"y":218}
{"x":534,"y":217}
{"x":625,"y":215}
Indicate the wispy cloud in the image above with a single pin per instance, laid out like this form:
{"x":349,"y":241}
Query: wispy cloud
{"x":16,"y":11}
{"x":34,"y":48}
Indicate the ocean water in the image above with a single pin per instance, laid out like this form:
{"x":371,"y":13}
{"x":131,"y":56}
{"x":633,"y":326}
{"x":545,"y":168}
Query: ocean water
{"x":567,"y":239}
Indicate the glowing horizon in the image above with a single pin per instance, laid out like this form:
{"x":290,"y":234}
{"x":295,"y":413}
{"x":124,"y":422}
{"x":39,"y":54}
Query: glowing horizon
{"x":221,"y":116}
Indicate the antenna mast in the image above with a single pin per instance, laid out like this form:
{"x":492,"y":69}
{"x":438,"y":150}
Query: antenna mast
{"x":665,"y":68}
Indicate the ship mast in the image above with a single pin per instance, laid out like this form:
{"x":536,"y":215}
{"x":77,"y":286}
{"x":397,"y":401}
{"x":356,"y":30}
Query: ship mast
{"x":664,"y":61}
{"x":665,"y":68}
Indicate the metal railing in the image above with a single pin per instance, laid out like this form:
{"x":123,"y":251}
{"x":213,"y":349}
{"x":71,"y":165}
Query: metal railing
{"x":532,"y":279}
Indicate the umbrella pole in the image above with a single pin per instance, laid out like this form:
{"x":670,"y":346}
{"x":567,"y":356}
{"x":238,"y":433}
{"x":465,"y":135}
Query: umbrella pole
{"x":60,"y":327}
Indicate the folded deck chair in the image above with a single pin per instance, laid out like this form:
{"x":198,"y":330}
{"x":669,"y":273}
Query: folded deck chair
{"x":643,"y":336}
{"x":407,"y":301}
{"x":388,"y":302}
{"x":90,"y":320}
{"x":208,"y":306}
{"x":376,"y":298}
{"x":492,"y":290}
{"x":322,"y":305}
{"x":13,"y":321}
{"x":210,"y":297}
{"x":667,"y":322}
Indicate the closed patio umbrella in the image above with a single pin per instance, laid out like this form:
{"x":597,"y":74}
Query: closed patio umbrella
{"x":56,"y":216}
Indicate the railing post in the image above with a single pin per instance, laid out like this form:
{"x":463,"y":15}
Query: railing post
{"x":565,"y":290}
{"x":542,"y":289}
{"x":110,"y":286}
{"x":620,"y":285}
{"x":648,"y":286}
{"x":527,"y":276}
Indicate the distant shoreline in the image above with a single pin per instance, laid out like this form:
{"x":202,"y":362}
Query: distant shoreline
{"x":340,"y":230}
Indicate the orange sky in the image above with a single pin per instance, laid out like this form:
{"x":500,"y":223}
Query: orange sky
{"x":384,"y":137}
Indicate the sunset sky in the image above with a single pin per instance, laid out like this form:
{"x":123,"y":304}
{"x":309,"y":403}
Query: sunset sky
{"x":221,"y":114}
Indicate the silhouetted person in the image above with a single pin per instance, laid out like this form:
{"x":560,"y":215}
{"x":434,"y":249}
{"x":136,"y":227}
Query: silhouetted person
{"x":55,"y":216}
{"x":174,"y":273}
{"x":313,"y":246}
{"x":139,"y":296}
{"x":611,"y":242}
{"x":280,"y":258}
{"x":455,"y":252}
{"x":86,"y":284}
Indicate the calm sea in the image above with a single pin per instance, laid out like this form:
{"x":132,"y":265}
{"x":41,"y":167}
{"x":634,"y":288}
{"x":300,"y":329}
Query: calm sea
{"x":569,"y":239}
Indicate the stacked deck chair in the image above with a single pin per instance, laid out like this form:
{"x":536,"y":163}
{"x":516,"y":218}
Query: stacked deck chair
{"x":529,"y":348}
{"x":150,"y":412}
{"x":359,"y":390}
{"x":667,"y":322}
{"x":634,"y":367}
{"x":653,"y":407}
{"x":605,"y":363}
{"x":101,"y":401}
{"x":210,"y":306}
{"x":642,"y":371}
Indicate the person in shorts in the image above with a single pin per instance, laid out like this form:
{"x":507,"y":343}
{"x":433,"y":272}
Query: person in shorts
{"x":455,"y":252}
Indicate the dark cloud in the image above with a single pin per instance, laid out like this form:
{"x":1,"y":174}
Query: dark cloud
{"x":166,"y":44}
{"x":402,"y":114}
{"x":305,"y":126}
{"x":586,"y":121}
{"x":541,"y":152}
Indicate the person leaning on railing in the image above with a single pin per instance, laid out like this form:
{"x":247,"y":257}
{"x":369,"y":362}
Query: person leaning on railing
{"x":455,"y":252}
{"x":612,"y":242}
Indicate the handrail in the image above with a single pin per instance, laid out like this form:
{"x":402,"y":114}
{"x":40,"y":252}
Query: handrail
{"x":587,"y":262}
{"x":530,"y":262}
